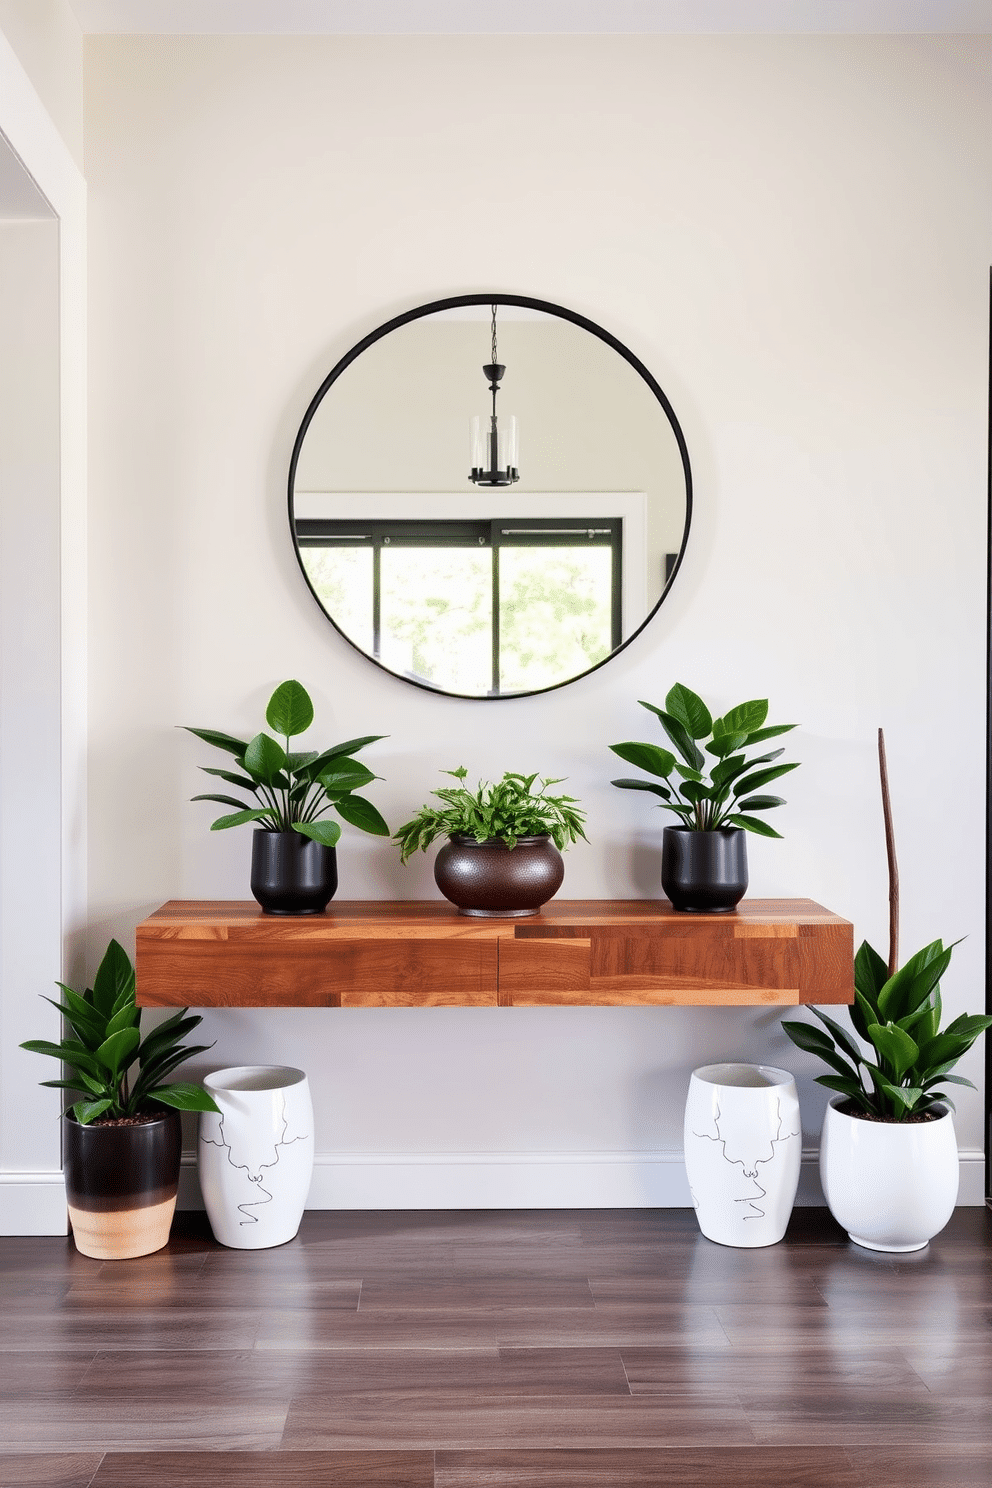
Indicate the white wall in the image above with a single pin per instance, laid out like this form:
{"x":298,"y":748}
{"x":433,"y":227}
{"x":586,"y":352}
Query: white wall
{"x":42,"y":629}
{"x":793,"y":234}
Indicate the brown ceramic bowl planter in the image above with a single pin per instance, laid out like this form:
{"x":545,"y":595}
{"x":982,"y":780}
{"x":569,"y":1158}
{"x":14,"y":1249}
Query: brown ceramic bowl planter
{"x":493,"y":880}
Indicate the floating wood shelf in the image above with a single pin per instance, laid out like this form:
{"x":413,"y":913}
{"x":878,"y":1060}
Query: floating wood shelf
{"x":577,"y":953}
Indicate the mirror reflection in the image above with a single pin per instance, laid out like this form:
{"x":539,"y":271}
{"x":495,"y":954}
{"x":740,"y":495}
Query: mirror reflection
{"x":489,"y":505}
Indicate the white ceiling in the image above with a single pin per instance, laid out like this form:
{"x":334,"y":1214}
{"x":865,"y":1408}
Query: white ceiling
{"x":488,"y":17}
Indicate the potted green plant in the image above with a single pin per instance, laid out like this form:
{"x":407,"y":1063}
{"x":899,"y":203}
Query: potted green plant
{"x":888,"y":1155}
{"x":503,"y":854}
{"x":704,"y":857}
{"x":293,"y":860}
{"x":123,"y":1139}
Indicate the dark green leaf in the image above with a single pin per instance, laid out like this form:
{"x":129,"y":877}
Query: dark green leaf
{"x":753,"y":824}
{"x":346,"y":775}
{"x":723,"y":745}
{"x":758,"y":736}
{"x":644,"y":785}
{"x":746,"y":718}
{"x":224,"y":801}
{"x":245,"y":782}
{"x":762,"y":777}
{"x":693,"y":790}
{"x":264,"y":758}
{"x":895,"y":1046}
{"x":761,"y":803}
{"x":862,"y":1013}
{"x":844,"y":1086}
{"x":87,"y":1111}
{"x":870,"y":974}
{"x":361,"y":813}
{"x":115,"y":1053}
{"x":913,"y":983}
{"x":219,"y":741}
{"x":69,"y":1052}
{"x":297,"y":763}
{"x":729,"y":769}
{"x":290,"y":710}
{"x":115,"y":976}
{"x":350,"y":746}
{"x":841,"y":1035}
{"x":905,"y":1096}
{"x":184,"y":1097}
{"x":326,"y":832}
{"x":969,"y":1025}
{"x":650,"y":757}
{"x":241,"y":817}
{"x":682,"y":703}
{"x":805,"y":1036}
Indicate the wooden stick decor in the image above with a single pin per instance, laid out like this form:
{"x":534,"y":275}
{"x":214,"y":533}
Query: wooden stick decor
{"x":890,"y":849}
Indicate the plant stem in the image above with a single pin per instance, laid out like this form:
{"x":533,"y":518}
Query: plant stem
{"x":890,"y":849}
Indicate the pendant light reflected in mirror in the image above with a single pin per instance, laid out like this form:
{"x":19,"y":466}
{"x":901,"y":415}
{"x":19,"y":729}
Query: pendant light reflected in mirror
{"x":494,"y":444}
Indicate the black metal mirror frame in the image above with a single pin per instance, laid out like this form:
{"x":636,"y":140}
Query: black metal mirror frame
{"x":453,"y":302}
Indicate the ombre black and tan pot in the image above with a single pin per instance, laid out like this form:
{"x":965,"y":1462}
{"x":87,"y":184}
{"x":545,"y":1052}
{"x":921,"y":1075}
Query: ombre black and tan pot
{"x":121,"y":1183}
{"x":494,"y":881}
{"x":704,"y":872}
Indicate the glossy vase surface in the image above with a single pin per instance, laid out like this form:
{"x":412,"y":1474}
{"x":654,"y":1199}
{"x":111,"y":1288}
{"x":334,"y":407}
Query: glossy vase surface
{"x":704,"y":872}
{"x":256,"y":1157}
{"x":292,"y":875}
{"x":121,"y":1183}
{"x":492,"y":880}
{"x":743,"y":1148}
{"x":892,"y":1185}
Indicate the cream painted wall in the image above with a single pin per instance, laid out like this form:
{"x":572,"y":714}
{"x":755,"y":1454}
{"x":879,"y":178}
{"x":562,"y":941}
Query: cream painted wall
{"x":49,"y":45}
{"x":793,"y":234}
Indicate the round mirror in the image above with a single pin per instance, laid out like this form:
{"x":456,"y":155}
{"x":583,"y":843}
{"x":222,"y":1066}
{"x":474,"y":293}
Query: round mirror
{"x":489,"y":496}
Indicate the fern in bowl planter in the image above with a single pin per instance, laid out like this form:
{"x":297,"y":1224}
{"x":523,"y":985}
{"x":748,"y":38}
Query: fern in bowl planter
{"x":293,"y":866}
{"x":123,"y":1139}
{"x":704,"y":858}
{"x":502,"y":858}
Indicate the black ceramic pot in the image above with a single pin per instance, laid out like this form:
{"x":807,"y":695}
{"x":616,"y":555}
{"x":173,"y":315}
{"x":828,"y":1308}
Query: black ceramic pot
{"x":121,"y":1183}
{"x":290,"y":874}
{"x":491,"y":879}
{"x":704,"y":872}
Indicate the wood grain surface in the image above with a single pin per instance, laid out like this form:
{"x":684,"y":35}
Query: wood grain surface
{"x":525,"y":1349}
{"x":423,"y":954}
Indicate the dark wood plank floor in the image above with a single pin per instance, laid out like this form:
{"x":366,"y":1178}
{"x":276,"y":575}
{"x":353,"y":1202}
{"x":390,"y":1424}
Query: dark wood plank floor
{"x":525,"y":1349}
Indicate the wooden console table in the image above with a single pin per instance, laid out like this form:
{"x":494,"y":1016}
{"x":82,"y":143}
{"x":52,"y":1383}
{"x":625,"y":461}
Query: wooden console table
{"x":577,"y":953}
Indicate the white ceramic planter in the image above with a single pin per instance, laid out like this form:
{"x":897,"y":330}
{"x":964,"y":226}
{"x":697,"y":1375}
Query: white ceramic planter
{"x":892,"y":1185}
{"x":743,"y":1146}
{"x":256,"y":1157}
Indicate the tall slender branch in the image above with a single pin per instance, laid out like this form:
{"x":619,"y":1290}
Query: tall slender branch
{"x":890,"y":849}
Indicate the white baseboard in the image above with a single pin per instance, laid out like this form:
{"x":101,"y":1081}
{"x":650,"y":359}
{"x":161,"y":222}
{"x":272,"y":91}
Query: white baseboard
{"x":514,"y":1180}
{"x":33,"y":1204}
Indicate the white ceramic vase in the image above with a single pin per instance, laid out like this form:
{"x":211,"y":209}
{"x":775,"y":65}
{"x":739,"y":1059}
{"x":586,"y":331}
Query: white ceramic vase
{"x":743,"y":1146}
{"x":256,"y":1157}
{"x":892,"y":1185}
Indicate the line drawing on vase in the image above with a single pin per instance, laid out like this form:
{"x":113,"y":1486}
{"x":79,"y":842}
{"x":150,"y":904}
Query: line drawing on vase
{"x":255,"y":1178}
{"x":742,"y":1163}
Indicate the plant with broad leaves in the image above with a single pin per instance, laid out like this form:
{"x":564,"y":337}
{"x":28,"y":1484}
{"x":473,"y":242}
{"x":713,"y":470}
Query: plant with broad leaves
{"x":729,"y":792}
{"x":898,"y":1017}
{"x":294,"y":791}
{"x":106,"y":1043}
{"x":505,"y":812}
